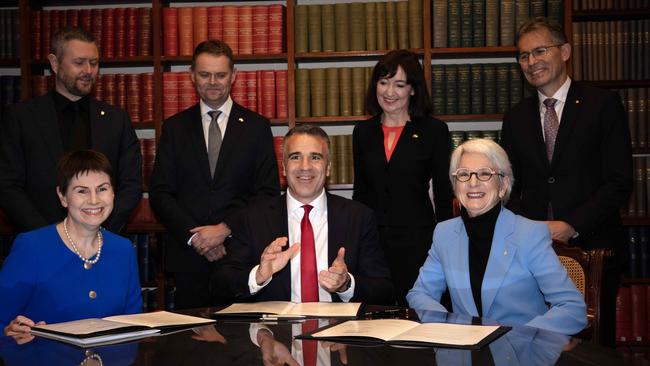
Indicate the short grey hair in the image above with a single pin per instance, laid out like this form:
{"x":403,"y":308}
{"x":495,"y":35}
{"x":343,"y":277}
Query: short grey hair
{"x":493,"y":152}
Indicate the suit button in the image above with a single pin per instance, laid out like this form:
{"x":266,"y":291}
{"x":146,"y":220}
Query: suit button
{"x":551,"y":180}
{"x":92,"y":294}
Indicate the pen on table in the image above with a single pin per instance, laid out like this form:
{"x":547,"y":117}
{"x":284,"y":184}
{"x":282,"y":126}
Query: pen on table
{"x":282,"y":317}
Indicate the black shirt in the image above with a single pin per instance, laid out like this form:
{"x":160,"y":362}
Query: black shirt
{"x":74,"y":122}
{"x":480,"y":230}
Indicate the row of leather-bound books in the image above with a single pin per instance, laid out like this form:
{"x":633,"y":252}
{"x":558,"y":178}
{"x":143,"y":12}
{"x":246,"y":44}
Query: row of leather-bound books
{"x":633,"y":314}
{"x":638,"y":203}
{"x":9,"y":34}
{"x":586,"y":5}
{"x":636,"y":102}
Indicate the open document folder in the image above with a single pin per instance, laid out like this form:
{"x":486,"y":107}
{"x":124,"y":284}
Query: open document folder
{"x":114,"y":329}
{"x":409,"y":333}
{"x":284,"y":309}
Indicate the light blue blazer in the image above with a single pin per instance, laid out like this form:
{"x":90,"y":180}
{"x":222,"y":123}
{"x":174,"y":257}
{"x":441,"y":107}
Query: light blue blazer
{"x":522,"y":276}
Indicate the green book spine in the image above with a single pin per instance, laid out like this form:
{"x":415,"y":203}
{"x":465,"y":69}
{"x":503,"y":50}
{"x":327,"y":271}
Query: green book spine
{"x":522,"y":13}
{"x":478,"y":23}
{"x":554,"y":10}
{"x":343,"y":167}
{"x":302,"y":93}
{"x":349,"y":158}
{"x":334,"y":173}
{"x":358,"y":91}
{"x":516,"y":84}
{"x":503,"y":86}
{"x":357,"y":27}
{"x":537,"y":8}
{"x":415,"y":20}
{"x":300,"y":29}
{"x":329,"y":30}
{"x":577,"y":51}
{"x":453,"y":20}
{"x":381,"y":26}
{"x":464,"y":94}
{"x":451,"y":89}
{"x":345,"y":91}
{"x":476,"y":86}
{"x":466,"y":32}
{"x":619,"y":50}
{"x":333,"y":98}
{"x":507,"y":22}
{"x":317,"y":90}
{"x":342,"y":21}
{"x":439,"y":23}
{"x":314,"y":23}
{"x":491,"y":23}
{"x":367,"y":77}
{"x":402,"y":11}
{"x":489,"y":89}
{"x":391,"y":26}
{"x":438,"y":88}
{"x":371,"y":26}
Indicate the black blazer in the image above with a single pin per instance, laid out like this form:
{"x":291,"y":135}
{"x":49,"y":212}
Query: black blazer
{"x":590,"y":177}
{"x":183,"y":195}
{"x":398,"y":191}
{"x":31,"y":146}
{"x":350,"y":225}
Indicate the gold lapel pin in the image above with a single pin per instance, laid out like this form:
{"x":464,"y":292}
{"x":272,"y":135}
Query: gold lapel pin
{"x":415,"y":136}
{"x":102,"y":113}
{"x":577,"y":102}
{"x":241,"y":119}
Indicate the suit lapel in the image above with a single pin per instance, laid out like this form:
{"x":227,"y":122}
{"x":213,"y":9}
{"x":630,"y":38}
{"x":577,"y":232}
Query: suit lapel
{"x":197,"y":140}
{"x":460,"y":279}
{"x":568,"y":121}
{"x":537,"y":134}
{"x":46,"y":119}
{"x":376,"y":138}
{"x":501,"y":255}
{"x":234,"y":129}
{"x":278,"y":220}
{"x":405,"y":141}
{"x":99,"y":127}
{"x":336,"y":218}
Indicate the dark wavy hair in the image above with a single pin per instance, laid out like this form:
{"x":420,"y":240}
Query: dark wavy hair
{"x":214,"y":47}
{"x":420,"y":102}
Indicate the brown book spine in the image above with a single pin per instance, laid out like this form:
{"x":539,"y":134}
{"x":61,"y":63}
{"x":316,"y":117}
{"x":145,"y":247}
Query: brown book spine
{"x":120,"y":91}
{"x":281,"y":93}
{"x":371,"y":26}
{"x":639,"y":318}
{"x":328,"y":29}
{"x":639,"y":187}
{"x":144,"y":36}
{"x":238,"y":90}
{"x":357,"y":27}
{"x":332,"y":97}
{"x":439,"y":23}
{"x":148,"y":151}
{"x":55,"y":16}
{"x":170,"y":31}
{"x":131,"y":45}
{"x":170,"y":94}
{"x":624,"y":315}
{"x":342,"y":22}
{"x":314,"y":27}
{"x":133,"y":97}
{"x":120,"y":32}
{"x":619,"y":50}
{"x":85,"y":19}
{"x":215,"y":22}
{"x":301,"y":29}
{"x":186,"y":93}
{"x":630,"y":103}
{"x":303,"y":97}
{"x":72,"y":17}
{"x":251,"y":91}
{"x":492,"y":23}
{"x":507,"y":21}
{"x":402,"y":24}
{"x":267,"y":95}
{"x":317,"y":91}
{"x":342,"y":149}
{"x":146,"y":110}
{"x":108,"y":40}
{"x":334,"y":163}
{"x":108,"y":81}
{"x":200,"y":23}
{"x":391,"y":26}
{"x":381,"y":26}
{"x":277,"y":147}
{"x":276,"y":29}
{"x":345,"y":91}
{"x":415,"y":28}
{"x":35,"y":32}
{"x":245,"y":29}
{"x":185,"y":32}
{"x":577,"y":50}
{"x":97,"y":18}
{"x":46,"y":34}
{"x":358,"y":91}
{"x":261,"y":30}
{"x":230,"y":31}
{"x":98,"y":90}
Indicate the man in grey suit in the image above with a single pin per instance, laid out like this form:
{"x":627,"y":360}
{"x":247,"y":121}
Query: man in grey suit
{"x":212,"y":159}
{"x":37,"y":132}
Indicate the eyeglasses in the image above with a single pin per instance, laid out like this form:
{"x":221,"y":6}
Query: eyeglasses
{"x":538,"y":52}
{"x":482,"y":174}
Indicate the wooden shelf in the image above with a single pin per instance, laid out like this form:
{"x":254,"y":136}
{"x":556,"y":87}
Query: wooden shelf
{"x":617,"y":84}
{"x":641,"y":150}
{"x":104,"y":62}
{"x":340,"y":187}
{"x":635,"y":281}
{"x":10,"y":62}
{"x":608,"y":14}
{"x":636,"y":221}
{"x":347,"y":55}
{"x":500,"y":51}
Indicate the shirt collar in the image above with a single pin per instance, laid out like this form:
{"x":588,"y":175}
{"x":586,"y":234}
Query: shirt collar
{"x":61,"y":102}
{"x":225,"y":108}
{"x":560,"y":94}
{"x":294,"y":206}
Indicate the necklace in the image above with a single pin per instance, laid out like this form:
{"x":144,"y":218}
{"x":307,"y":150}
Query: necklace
{"x":88,"y":263}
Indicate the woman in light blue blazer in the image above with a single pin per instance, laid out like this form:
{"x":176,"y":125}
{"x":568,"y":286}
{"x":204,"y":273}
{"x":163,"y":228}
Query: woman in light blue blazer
{"x":496,"y":264}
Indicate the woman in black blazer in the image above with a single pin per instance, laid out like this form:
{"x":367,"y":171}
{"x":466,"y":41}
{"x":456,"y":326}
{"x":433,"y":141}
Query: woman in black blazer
{"x":397,"y":153}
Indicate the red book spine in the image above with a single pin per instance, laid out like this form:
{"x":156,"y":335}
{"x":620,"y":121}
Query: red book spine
{"x":230,"y":31}
{"x":170,"y":94}
{"x":133,"y":97}
{"x":238,"y":91}
{"x":72,"y":17}
{"x":251,"y":91}
{"x":120,"y":32}
{"x":35,"y":33}
{"x":276,"y":29}
{"x":170,"y":31}
{"x":624,"y":315}
{"x":260,"y":91}
{"x":245,"y":30}
{"x":261,"y":29}
{"x":148,"y":149}
{"x":97,"y":18}
{"x":46,"y":33}
{"x":639,"y":319}
{"x":277,"y":147}
{"x":120,"y":91}
{"x":39,"y":85}
{"x":144,"y":36}
{"x":281,"y":93}
{"x":185,"y":30}
{"x":85,"y":17}
{"x":146,"y":111}
{"x":108,"y":80}
{"x":108,"y":41}
{"x":647,"y":328}
{"x":98,"y":90}
{"x":55,"y":18}
{"x":268,"y":93}
{"x":131,"y":21}
{"x":215,"y":22}
{"x":200,"y":23}
{"x":186,"y":93}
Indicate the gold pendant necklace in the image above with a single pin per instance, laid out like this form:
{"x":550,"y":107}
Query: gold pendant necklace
{"x":88,"y":263}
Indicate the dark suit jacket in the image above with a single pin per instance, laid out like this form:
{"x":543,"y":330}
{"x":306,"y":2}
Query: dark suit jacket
{"x":590,"y":177}
{"x":31,"y":146}
{"x":350,"y":225}
{"x":398,"y":190}
{"x":183,"y":195}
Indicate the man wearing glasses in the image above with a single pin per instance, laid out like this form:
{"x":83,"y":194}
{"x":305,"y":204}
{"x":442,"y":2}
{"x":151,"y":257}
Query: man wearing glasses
{"x":569,"y":145}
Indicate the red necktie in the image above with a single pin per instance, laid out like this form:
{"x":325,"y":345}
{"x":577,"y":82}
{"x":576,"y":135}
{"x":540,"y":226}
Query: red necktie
{"x":308,"y":276}
{"x":309,"y":348}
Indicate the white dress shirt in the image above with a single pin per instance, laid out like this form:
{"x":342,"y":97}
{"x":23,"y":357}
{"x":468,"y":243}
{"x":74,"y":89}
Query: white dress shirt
{"x":560,"y":96}
{"x":222,"y":120}
{"x":318,"y":219}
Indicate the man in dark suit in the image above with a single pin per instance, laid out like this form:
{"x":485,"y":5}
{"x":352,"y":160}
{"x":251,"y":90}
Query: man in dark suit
{"x":37,"y":132}
{"x":569,"y":145}
{"x":334,"y":252}
{"x":212,"y":159}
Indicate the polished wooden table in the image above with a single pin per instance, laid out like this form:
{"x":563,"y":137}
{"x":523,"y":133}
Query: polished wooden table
{"x":257,"y":343}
